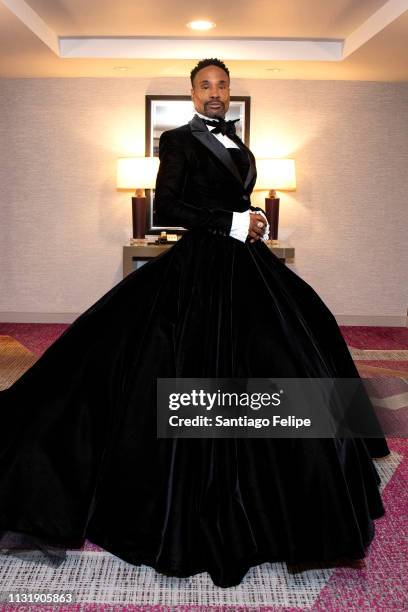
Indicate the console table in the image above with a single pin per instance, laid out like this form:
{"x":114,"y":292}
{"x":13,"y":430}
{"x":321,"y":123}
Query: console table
{"x":142,"y":253}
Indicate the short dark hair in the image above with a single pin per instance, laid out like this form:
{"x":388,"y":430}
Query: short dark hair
{"x":212,"y":61}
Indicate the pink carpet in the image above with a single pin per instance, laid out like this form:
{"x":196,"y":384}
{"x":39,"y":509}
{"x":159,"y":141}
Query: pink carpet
{"x":38,"y":336}
{"x":378,"y":585}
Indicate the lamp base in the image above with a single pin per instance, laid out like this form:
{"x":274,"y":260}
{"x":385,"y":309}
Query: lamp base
{"x":272,"y":214}
{"x":139,"y":214}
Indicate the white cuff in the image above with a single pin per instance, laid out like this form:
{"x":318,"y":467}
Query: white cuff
{"x":240,"y":225}
{"x":266,"y":232}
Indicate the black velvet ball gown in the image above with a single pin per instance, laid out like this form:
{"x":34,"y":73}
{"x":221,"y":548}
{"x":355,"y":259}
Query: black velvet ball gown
{"x":80,"y":457}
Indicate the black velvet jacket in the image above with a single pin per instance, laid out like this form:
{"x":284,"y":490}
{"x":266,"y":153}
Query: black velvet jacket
{"x":198,"y":184}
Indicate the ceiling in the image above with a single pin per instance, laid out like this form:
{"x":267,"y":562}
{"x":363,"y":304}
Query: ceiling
{"x":296,"y":39}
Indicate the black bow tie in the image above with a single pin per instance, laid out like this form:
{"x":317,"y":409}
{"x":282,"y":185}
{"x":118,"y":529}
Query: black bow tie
{"x":222,"y":126}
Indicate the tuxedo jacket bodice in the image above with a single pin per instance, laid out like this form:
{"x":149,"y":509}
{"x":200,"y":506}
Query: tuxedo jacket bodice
{"x":199,"y":185}
{"x":241,"y":159}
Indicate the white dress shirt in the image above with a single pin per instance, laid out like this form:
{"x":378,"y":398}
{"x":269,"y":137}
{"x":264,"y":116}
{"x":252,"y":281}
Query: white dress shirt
{"x":240,"y":220}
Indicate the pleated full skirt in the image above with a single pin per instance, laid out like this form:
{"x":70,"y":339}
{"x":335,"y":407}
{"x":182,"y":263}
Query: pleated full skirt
{"x":80,"y":457}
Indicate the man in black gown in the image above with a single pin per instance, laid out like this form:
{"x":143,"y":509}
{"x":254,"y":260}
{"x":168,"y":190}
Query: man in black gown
{"x":81,"y":458}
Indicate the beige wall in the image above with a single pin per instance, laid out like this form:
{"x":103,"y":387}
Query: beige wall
{"x":63,"y":223}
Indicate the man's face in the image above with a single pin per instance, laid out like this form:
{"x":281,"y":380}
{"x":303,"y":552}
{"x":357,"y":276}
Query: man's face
{"x":210,"y":92}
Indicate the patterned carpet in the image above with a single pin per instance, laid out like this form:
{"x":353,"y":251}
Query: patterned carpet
{"x":101,"y":581}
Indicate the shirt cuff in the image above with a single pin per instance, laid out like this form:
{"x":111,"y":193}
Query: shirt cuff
{"x":240,"y":225}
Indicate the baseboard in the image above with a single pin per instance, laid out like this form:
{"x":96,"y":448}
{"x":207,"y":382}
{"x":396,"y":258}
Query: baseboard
{"x":38,"y":317}
{"x":373,"y":320}
{"x":69,"y":317}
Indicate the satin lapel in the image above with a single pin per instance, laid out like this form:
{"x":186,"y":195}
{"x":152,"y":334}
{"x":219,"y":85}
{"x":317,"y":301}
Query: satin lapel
{"x":203,"y":134}
{"x":252,"y":165}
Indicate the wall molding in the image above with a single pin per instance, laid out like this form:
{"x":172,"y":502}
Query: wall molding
{"x":194,"y":48}
{"x":69,"y":317}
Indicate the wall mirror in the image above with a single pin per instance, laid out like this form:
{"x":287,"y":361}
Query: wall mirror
{"x":167,"y":112}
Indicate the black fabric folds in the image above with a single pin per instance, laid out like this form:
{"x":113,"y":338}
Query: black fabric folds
{"x":80,"y":457}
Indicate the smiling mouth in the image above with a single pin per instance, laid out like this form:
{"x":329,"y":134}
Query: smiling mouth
{"x":214,"y":105}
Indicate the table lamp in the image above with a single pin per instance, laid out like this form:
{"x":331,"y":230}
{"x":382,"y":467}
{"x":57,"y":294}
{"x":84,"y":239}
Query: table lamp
{"x":274,"y":175}
{"x":138,"y":173}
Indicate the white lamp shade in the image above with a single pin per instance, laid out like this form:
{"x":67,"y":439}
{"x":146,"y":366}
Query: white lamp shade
{"x":277,"y":174}
{"x":137,"y":172}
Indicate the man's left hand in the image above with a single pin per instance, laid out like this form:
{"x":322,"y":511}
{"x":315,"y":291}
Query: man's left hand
{"x":265,"y":234}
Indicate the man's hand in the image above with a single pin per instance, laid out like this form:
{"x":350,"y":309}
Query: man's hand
{"x":257,"y":226}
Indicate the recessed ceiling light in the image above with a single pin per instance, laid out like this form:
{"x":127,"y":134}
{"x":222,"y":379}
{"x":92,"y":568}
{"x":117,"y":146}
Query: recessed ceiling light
{"x":201,"y":24}
{"x":121,"y":68}
{"x":275,"y":69}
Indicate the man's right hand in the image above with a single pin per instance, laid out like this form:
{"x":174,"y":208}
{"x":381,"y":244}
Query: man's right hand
{"x":257,"y":226}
